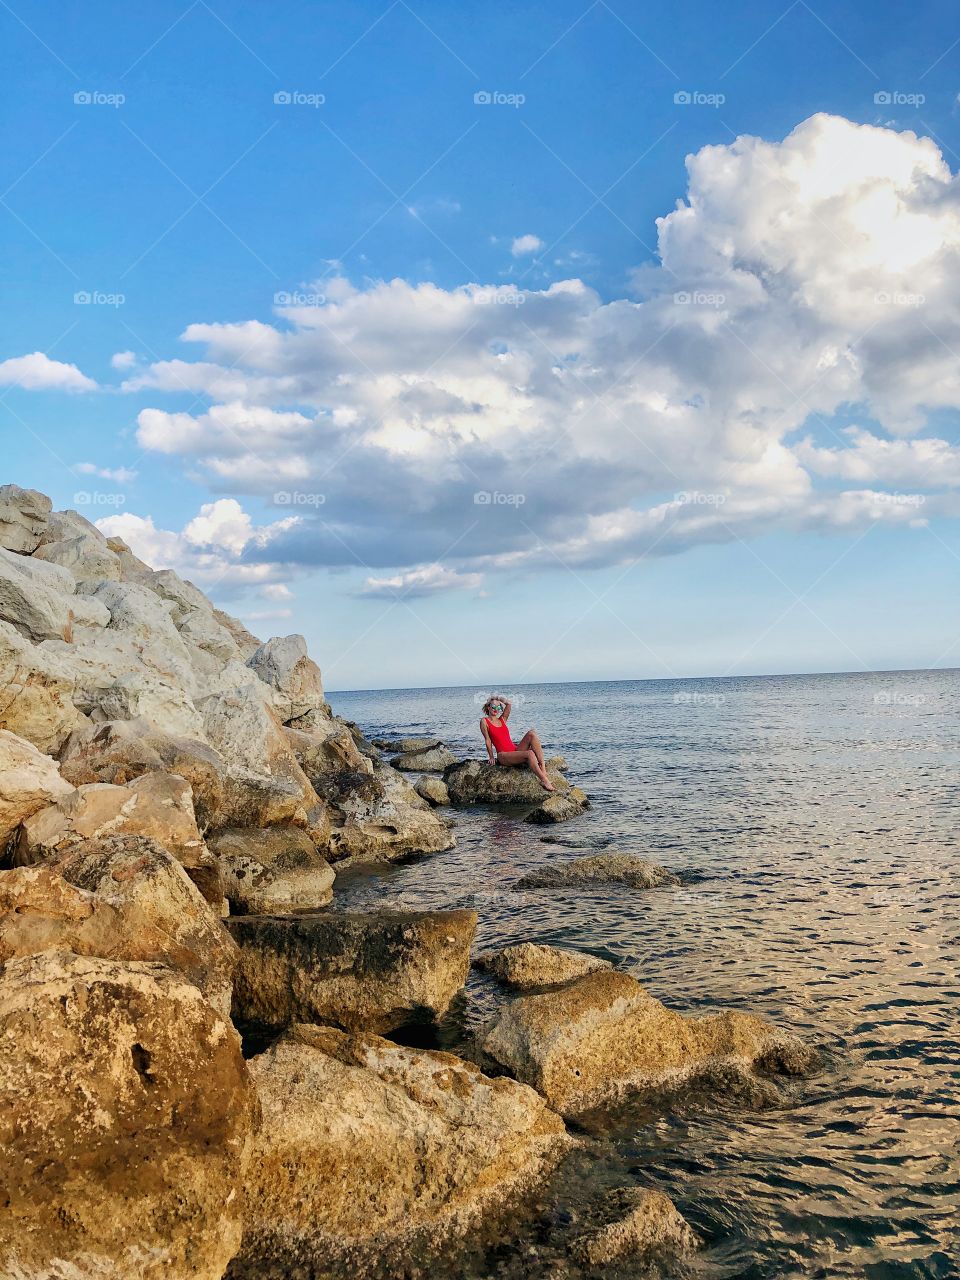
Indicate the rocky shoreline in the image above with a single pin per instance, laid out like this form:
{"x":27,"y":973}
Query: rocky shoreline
{"x":197,"y":1075}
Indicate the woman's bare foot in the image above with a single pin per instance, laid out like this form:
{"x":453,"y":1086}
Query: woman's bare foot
{"x":547,"y":785}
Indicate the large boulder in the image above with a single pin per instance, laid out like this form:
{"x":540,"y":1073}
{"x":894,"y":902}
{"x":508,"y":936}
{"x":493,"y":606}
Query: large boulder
{"x":528,"y":965}
{"x":285,"y":666}
{"x":404,"y":745}
{"x":560,"y":807}
{"x":433,"y":759}
{"x":477,"y":782}
{"x":379,"y":817}
{"x":365,"y":971}
{"x":85,"y":554}
{"x":275,"y":869}
{"x":368,"y":1149}
{"x":126,"y":1117}
{"x":36,"y":692}
{"x":29,"y":781}
{"x":158,"y":805}
{"x":326,"y":751}
{"x":23,"y":515}
{"x":36,"y":598}
{"x":433,"y":790}
{"x":599,"y":868}
{"x":121,"y":898}
{"x":603,"y":1035}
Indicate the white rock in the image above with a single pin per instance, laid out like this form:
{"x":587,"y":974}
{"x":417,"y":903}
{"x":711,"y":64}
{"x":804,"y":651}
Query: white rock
{"x":87,"y":558}
{"x":29,"y":781}
{"x":284,"y":665}
{"x":35,"y":597}
{"x":23,"y":514}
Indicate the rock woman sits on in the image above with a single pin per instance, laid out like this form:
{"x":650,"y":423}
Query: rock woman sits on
{"x":501,"y":749}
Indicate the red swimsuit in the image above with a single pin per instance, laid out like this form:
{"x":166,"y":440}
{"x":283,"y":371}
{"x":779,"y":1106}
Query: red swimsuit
{"x":500,"y":736}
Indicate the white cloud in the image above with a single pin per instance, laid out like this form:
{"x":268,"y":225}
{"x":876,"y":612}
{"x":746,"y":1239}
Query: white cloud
{"x":798,"y":278}
{"x":37,"y":372}
{"x":210,"y":549}
{"x":123,"y":360}
{"x":524,"y":245}
{"x":121,"y":475}
{"x":426,"y":581}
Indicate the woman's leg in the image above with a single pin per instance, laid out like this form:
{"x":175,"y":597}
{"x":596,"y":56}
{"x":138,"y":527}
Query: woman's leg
{"x":530,"y":742}
{"x":529,"y":758}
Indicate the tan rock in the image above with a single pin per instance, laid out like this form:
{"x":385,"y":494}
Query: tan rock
{"x":285,"y":666}
{"x":126,"y":1113}
{"x":527,"y":965}
{"x":276,"y":869}
{"x":367,"y":1146}
{"x":29,"y":781}
{"x":599,"y":868}
{"x":379,"y":817}
{"x":603,"y":1035}
{"x":404,"y":745}
{"x":433,"y":790}
{"x":121,"y":898}
{"x":477,"y":782}
{"x":325,"y":751}
{"x":36,"y":693}
{"x":364,"y":971}
{"x":23,"y":515}
{"x":559,"y":808}
{"x":643,"y":1226}
{"x":158,"y":805}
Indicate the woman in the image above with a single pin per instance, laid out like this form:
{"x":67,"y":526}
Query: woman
{"x":501,"y":748}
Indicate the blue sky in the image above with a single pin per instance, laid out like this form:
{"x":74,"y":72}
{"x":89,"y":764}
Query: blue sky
{"x":730,"y":449}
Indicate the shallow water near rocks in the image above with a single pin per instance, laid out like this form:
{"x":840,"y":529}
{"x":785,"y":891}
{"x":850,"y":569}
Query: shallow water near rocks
{"x":813,"y":822}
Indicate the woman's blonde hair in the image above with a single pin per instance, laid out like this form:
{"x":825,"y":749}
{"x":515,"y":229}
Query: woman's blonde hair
{"x":494,"y":697}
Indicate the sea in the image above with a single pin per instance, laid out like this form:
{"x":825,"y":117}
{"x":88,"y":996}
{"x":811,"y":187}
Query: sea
{"x":813,"y":822}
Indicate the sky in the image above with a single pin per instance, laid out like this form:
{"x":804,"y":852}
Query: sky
{"x":500,"y":343}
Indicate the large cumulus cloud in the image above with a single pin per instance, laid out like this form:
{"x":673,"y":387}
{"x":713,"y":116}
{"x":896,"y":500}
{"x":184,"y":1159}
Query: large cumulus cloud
{"x":445,"y":433}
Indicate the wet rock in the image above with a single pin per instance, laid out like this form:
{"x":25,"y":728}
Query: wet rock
{"x":29,"y":781}
{"x":372,"y":971}
{"x":477,"y":782}
{"x":531,"y":964}
{"x":636,"y":1225}
{"x":158,"y":805}
{"x":560,"y":808}
{"x":599,"y":868}
{"x":603,"y":1035}
{"x":121,"y":898}
{"x":23,"y":516}
{"x":434,"y":791}
{"x":368,"y":1146}
{"x":404,"y":745}
{"x":126,"y":1117}
{"x":433,"y":759}
{"x":378,"y":817}
{"x":275,"y":869}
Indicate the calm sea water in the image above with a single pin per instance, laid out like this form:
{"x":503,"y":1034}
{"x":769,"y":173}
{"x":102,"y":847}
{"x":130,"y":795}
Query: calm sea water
{"x":814,"y":820}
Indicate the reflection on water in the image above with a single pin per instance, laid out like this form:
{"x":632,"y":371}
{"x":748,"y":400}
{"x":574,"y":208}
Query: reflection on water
{"x":813,"y":819}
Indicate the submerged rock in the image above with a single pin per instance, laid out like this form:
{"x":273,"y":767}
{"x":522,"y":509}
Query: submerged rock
{"x":276,"y":869}
{"x":599,"y":868}
{"x":434,"y":791}
{"x":560,"y":808}
{"x":367,"y":1146}
{"x":126,"y":1116}
{"x":433,"y":759}
{"x":603,"y":1035}
{"x":636,"y":1225}
{"x":533,"y":964}
{"x":364,"y":971}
